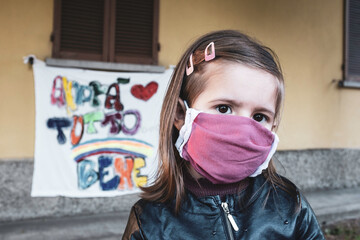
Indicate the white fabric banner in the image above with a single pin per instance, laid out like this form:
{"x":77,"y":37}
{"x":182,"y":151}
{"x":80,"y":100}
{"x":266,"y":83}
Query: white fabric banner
{"x":96,"y":132}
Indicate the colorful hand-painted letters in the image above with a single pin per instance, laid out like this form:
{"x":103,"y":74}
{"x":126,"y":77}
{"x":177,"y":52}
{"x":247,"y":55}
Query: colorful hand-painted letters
{"x":96,"y":132}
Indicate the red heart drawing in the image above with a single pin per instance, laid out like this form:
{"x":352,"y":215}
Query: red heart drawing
{"x":144,"y":93}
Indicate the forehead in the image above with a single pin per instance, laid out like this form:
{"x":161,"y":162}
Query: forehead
{"x":239,"y":82}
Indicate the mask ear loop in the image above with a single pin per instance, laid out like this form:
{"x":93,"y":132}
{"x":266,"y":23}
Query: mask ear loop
{"x":185,"y":130}
{"x":186,"y":105}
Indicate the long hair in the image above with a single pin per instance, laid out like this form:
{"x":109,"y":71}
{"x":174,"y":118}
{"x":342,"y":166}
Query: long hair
{"x":231,"y":46}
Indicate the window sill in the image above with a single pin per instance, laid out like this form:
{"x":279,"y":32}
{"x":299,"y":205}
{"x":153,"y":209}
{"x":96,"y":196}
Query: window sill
{"x":107,"y":66}
{"x":348,"y":84}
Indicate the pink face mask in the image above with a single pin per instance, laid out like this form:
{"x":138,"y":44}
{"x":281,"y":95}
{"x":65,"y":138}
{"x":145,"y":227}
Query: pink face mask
{"x":225,"y":148}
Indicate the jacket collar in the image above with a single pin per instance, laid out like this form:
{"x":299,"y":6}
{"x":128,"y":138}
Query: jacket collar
{"x":257,"y":187}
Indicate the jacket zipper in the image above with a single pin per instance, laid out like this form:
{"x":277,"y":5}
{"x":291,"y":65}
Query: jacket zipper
{"x":229,"y":219}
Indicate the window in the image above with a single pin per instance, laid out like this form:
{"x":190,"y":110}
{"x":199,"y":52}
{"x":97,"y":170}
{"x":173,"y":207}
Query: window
{"x":352,"y":44}
{"x":123,"y":31}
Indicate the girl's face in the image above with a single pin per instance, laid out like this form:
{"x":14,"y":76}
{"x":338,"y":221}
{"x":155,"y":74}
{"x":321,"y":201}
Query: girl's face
{"x":237,"y":89}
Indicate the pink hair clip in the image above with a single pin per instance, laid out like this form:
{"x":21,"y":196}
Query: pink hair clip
{"x":210,"y":56}
{"x":190,"y":69}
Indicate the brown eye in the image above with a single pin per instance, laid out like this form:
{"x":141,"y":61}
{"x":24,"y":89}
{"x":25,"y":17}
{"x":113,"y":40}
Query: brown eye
{"x":223,"y":109}
{"x":260,"y":117}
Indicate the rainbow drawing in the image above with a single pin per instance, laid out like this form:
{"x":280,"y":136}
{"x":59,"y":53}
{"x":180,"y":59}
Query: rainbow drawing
{"x":132,"y":147}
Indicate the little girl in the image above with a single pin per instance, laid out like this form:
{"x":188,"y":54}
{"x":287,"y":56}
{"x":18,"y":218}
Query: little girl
{"x":216,"y":179}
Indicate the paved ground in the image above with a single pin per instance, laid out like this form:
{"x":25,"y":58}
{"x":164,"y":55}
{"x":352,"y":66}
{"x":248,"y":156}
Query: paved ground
{"x":335,"y":205}
{"x":330,"y":206}
{"x":343,"y":230}
{"x":101,"y":226}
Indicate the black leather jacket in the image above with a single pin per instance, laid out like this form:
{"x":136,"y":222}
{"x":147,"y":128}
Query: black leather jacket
{"x":259,"y":212}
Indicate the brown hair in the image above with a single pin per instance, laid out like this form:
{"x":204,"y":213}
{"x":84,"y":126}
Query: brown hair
{"x":231,"y":46}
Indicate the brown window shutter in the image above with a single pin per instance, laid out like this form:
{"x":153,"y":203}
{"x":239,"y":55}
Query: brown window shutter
{"x":79,"y":30}
{"x":352,"y":45}
{"x":106,"y":30}
{"x":136,"y":31}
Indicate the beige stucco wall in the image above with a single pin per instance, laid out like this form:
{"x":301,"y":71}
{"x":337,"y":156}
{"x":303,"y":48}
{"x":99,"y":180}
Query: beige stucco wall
{"x":307,"y":36}
{"x":25,"y":28}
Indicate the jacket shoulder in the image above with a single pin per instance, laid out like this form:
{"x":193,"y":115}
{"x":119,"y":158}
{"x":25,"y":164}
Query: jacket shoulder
{"x":283,"y":189}
{"x":142,"y":215}
{"x":307,"y":223}
{"x":307,"y":226}
{"x":133,"y":227}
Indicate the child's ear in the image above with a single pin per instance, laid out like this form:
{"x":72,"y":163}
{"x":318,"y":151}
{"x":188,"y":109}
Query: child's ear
{"x":180,"y":114}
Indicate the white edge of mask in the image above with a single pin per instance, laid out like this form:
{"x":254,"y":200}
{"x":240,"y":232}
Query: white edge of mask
{"x":185,"y":131}
{"x":265,"y":164}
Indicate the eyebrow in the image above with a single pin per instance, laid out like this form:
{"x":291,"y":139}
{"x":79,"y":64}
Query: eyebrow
{"x":235,"y":103}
